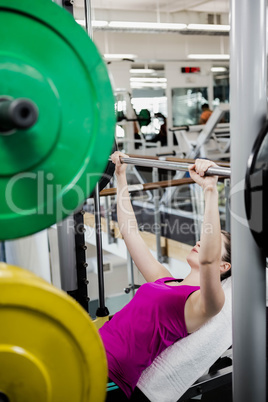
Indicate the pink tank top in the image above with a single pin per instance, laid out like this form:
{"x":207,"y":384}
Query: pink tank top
{"x":148,"y":324}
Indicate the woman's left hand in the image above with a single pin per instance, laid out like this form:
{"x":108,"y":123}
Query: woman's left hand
{"x":198,"y":170}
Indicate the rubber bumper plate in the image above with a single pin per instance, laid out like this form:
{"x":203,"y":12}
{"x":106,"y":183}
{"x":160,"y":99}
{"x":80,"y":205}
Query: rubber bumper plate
{"x":49,"y":169}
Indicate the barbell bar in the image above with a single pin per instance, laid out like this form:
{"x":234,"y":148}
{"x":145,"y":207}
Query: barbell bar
{"x":167,"y":165}
{"x":17,"y":114}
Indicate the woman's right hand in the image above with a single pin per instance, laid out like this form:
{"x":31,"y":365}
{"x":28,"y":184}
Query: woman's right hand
{"x":120,"y":168}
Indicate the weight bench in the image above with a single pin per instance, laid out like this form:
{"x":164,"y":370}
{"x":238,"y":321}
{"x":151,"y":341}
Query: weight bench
{"x":219,"y":375}
{"x":175,"y":374}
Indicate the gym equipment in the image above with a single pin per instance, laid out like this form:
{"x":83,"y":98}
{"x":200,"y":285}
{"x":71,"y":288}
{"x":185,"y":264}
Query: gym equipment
{"x":102,"y":313}
{"x":16,"y":114}
{"x":143,"y":118}
{"x":256,"y":190}
{"x":50,"y":164}
{"x":132,"y":188}
{"x":109,"y":171}
{"x":167,"y":165}
{"x":248,"y":100}
{"x":49,"y":349}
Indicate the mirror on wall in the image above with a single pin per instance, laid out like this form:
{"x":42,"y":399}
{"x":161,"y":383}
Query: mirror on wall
{"x":186,"y":105}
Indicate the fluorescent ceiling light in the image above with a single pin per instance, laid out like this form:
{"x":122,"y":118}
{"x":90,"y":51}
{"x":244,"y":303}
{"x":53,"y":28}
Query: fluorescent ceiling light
{"x":147,"y":79}
{"x":119,"y":56}
{"x":157,"y":26}
{"x":99,"y":24}
{"x":218,"y":69}
{"x":209,"y":56}
{"x":141,"y":71}
{"x":148,"y":85}
{"x":95,"y":24}
{"x":146,"y":25}
{"x":208,"y":27}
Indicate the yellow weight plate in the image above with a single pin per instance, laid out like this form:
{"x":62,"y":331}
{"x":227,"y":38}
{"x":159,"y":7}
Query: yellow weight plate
{"x":50,"y":350}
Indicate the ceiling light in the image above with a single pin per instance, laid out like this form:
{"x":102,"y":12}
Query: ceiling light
{"x":208,"y":27}
{"x":209,"y":56}
{"x":147,"y":79}
{"x":218,"y":69}
{"x":119,"y":56}
{"x":99,"y":24}
{"x":156,"y":26}
{"x":141,"y":71}
{"x":148,"y":85}
{"x":94,"y":23}
{"x":147,"y":25}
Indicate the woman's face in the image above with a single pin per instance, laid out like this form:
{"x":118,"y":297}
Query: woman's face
{"x":193,"y":257}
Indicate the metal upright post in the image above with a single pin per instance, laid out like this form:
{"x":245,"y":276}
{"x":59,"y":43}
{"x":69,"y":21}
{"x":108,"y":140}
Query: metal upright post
{"x":197,"y":199}
{"x":102,"y":311}
{"x":81,"y":264}
{"x":88,"y":18}
{"x":71,"y":243}
{"x":2,"y":251}
{"x":67,"y":256}
{"x":108,"y":216}
{"x":248,"y":112}
{"x":227,"y":205}
{"x":157,"y":217}
{"x":130,"y":270}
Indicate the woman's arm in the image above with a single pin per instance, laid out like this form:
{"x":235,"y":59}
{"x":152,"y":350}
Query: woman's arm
{"x":150,"y":268}
{"x":211,"y":292}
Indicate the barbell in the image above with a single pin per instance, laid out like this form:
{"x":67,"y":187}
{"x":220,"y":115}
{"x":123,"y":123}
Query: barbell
{"x":168,"y":165}
{"x":143,"y":118}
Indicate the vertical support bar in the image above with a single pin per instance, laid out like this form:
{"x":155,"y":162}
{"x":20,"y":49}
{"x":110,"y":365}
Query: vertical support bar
{"x":81,"y":264}
{"x":102,"y":311}
{"x":227,"y":205}
{"x":88,"y":18}
{"x":157,"y":217}
{"x":108,"y":217}
{"x":195,"y":194}
{"x":2,"y":251}
{"x":248,"y":112}
{"x":130,"y":272}
{"x":67,"y":256}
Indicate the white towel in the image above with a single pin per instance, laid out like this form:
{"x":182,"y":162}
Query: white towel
{"x":180,"y":365}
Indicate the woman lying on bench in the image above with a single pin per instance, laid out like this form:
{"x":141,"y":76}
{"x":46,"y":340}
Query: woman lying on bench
{"x":165,"y":309}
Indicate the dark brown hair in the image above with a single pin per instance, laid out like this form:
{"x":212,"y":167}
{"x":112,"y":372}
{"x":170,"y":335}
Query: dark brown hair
{"x":227,"y":255}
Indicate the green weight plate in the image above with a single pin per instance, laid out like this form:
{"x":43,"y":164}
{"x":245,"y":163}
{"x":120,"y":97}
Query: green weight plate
{"x":144,"y":117}
{"x":47,"y":171}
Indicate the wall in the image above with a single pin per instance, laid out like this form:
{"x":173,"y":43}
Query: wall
{"x":160,"y":47}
